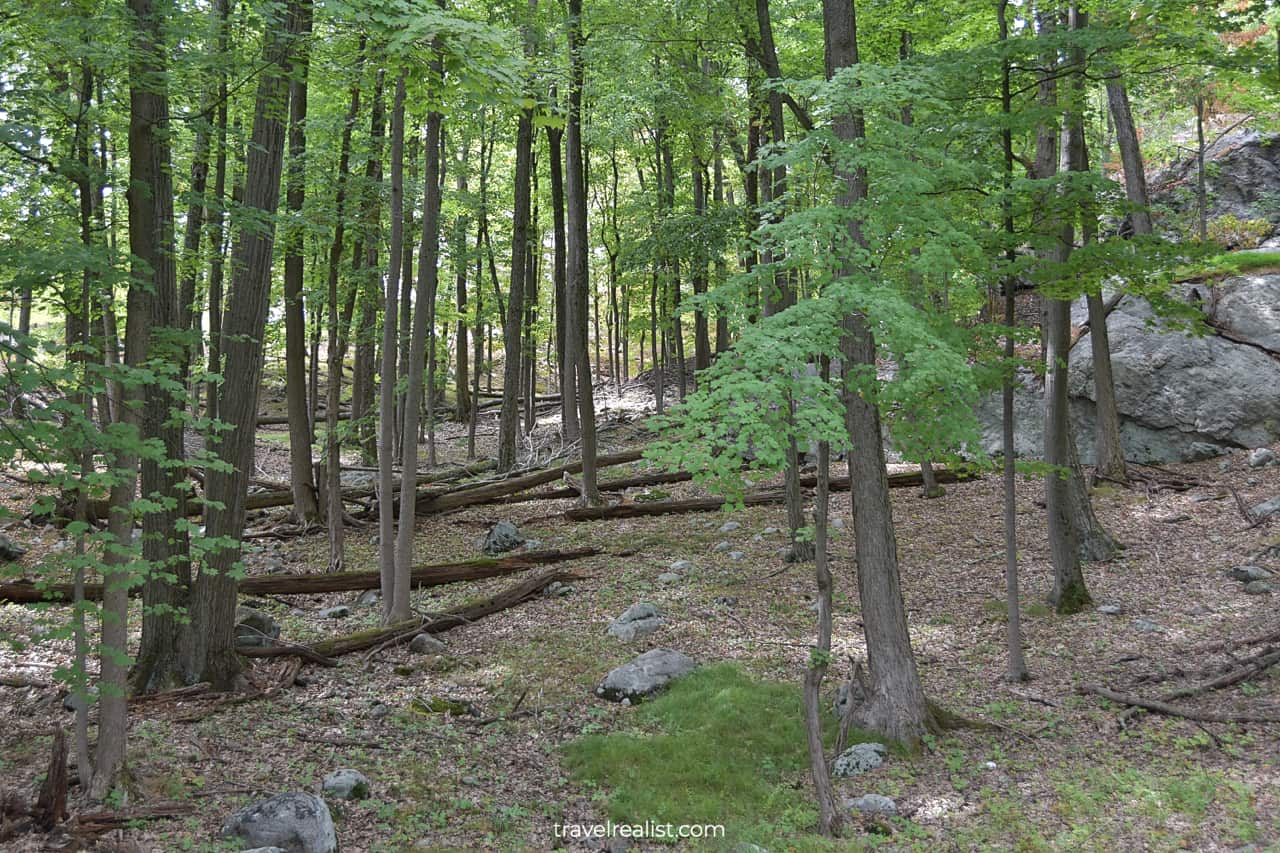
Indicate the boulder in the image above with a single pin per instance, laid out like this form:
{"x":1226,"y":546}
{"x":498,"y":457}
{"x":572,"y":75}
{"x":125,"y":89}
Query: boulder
{"x":425,"y":644}
{"x":255,"y":628}
{"x":1266,"y":509}
{"x":1181,"y":397}
{"x":346,"y":784}
{"x":502,"y":537}
{"x":1247,"y":574}
{"x":645,"y":675}
{"x":1248,"y":307}
{"x":872,"y":804}
{"x":1259,"y":588}
{"x":1242,"y":169}
{"x":730,"y":526}
{"x":10,"y":550}
{"x":669,"y":577}
{"x":339,"y":611}
{"x":294,"y":822}
{"x":639,"y":620}
{"x":859,"y":758}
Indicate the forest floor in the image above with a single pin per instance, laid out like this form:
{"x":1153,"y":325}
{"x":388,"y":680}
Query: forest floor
{"x":1058,"y":771}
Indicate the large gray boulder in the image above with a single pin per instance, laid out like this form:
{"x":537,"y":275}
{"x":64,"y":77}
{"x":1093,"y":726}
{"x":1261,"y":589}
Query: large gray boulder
{"x":644,"y":676}
{"x":1242,"y":171}
{"x":255,"y":628}
{"x":502,"y":537}
{"x":1181,"y":397}
{"x":294,"y":822}
{"x":859,"y":758}
{"x":1248,"y":307}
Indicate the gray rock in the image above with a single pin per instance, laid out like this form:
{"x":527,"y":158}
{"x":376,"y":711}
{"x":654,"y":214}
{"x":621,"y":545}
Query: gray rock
{"x":1245,"y":574}
{"x":294,"y":822}
{"x":837,"y":523}
{"x":1266,"y":509}
{"x":720,"y":547}
{"x":1110,"y":609}
{"x":748,"y":847}
{"x":669,"y":577}
{"x":681,"y":566}
{"x":1259,"y":588}
{"x":727,"y":601}
{"x":872,"y":804}
{"x":532,"y":544}
{"x":340,"y":611}
{"x":859,"y":758}
{"x":1146,"y":626}
{"x":368,"y":598}
{"x":639,"y":620}
{"x":558,"y":590}
{"x":645,"y":675}
{"x":502,"y":537}
{"x":770,"y":531}
{"x":380,"y":710}
{"x":425,"y":644}
{"x":736,"y":555}
{"x":264,"y":850}
{"x":10,"y":550}
{"x":1264,"y":456}
{"x":346,"y":784}
{"x":730,"y":526}
{"x":255,"y":628}
{"x":1241,"y":169}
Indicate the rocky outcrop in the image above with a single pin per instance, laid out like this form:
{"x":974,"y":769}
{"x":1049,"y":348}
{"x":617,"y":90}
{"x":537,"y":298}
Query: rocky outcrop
{"x":1242,"y":174}
{"x":1181,"y":396}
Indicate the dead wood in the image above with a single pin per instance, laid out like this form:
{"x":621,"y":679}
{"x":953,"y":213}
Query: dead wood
{"x":438,"y":574}
{"x":51,"y":804}
{"x":636,"y":510}
{"x":1174,"y":710}
{"x":100,"y":822}
{"x":1257,"y":666}
{"x":509,"y":597}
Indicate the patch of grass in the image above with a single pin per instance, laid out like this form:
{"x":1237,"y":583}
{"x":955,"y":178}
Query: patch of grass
{"x":1229,"y":264}
{"x":717,"y":747}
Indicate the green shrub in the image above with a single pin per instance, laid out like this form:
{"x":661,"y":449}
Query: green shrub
{"x":1232,"y":232}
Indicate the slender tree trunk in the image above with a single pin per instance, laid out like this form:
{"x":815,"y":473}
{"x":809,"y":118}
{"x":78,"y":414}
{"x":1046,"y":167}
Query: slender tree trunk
{"x":1135,"y":176}
{"x":217,"y":250}
{"x":564,"y":364}
{"x":387,"y":389}
{"x":1202,"y":195}
{"x":334,"y":349}
{"x":214,"y":597}
{"x":462,"y":371}
{"x":428,"y":274}
{"x":576,"y":279}
{"x":514,"y":320}
{"x":306,"y":502}
{"x":368,"y":286}
{"x":1013,"y":605}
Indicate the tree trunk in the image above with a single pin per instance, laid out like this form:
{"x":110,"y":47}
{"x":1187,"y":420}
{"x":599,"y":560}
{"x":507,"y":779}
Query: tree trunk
{"x":514,"y":320}
{"x":363,"y":370}
{"x":1013,"y":606}
{"x":462,"y":370}
{"x":568,"y":388}
{"x":428,"y":255}
{"x":213,"y":656}
{"x":895,"y":704}
{"x":387,"y":388}
{"x":1135,"y":176}
{"x":302,"y":482}
{"x":333,"y":347}
{"x":576,"y":281}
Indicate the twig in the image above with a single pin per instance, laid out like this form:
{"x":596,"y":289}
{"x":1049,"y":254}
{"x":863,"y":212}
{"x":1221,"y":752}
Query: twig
{"x":1174,"y":710}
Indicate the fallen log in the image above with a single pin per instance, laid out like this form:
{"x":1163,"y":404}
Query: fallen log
{"x":638,"y":510}
{"x":438,"y":574}
{"x":1175,"y":710}
{"x":430,"y":502}
{"x":98,"y":823}
{"x":348,"y":643}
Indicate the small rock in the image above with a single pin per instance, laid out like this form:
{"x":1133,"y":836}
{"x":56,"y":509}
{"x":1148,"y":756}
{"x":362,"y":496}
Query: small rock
{"x":1146,"y":626}
{"x":1262,"y":457}
{"x":532,"y":544}
{"x":254,"y":628}
{"x":558,"y":590}
{"x":784,"y":554}
{"x":736,"y":555}
{"x":748,"y":847}
{"x":1110,"y":609}
{"x":757,"y":538}
{"x":294,"y":822}
{"x":669,"y":577}
{"x":859,"y":758}
{"x":872,"y":804}
{"x":340,"y":611}
{"x":1266,"y":508}
{"x":1224,"y":466}
{"x":645,"y":675}
{"x":1252,"y":481}
{"x":726,"y":601}
{"x":265,"y":850}
{"x":368,"y":597}
{"x":639,"y":620}
{"x":770,"y":531}
{"x":502,"y":537}
{"x":346,"y":784}
{"x":425,"y":644}
{"x":379,"y":711}
{"x":681,"y":566}
{"x":1259,"y":588}
{"x":721,"y":547}
{"x":730,"y":526}
{"x":1245,"y":574}
{"x":10,"y":550}
{"x":1174,"y":519}
{"x":837,"y":523}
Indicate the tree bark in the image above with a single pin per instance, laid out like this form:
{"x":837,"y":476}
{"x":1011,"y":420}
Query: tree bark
{"x":302,"y":478}
{"x":213,"y":656}
{"x":1135,"y":176}
{"x":568,"y":388}
{"x":508,"y":420}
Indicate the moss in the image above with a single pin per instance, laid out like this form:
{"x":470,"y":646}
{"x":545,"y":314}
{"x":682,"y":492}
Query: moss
{"x":1074,"y":599}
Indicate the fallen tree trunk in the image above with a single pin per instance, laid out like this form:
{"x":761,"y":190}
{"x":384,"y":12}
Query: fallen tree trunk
{"x":439,"y":574}
{"x":430,"y":502}
{"x":338,"y":646}
{"x":638,"y":510}
{"x":1175,"y":710}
